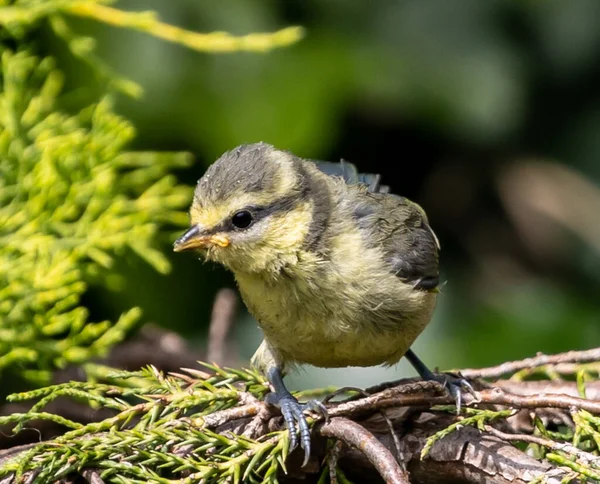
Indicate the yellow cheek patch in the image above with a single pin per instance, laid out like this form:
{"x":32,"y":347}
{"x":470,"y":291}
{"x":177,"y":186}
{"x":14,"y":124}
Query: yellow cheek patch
{"x":289,"y":230}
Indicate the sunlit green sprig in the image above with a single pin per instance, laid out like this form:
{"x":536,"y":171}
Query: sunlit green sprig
{"x":152,"y":435}
{"x":71,"y":198}
{"x":587,"y":429}
{"x":477,"y":418}
{"x":551,"y":372}
{"x":21,"y":16}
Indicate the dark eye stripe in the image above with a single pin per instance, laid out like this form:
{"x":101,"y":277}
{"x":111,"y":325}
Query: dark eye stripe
{"x":282,"y":205}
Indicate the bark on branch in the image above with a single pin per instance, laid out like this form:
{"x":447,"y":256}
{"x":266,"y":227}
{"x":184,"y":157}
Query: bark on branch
{"x":384,"y":433}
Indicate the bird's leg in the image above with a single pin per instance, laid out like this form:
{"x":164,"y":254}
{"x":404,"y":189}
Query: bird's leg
{"x":454,"y":383}
{"x":292,"y":410}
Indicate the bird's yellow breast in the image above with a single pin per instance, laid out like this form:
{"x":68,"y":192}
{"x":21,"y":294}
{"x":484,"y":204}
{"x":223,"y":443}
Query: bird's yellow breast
{"x":348,"y":311}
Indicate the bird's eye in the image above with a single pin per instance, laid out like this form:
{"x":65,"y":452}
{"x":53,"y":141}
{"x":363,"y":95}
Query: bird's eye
{"x":242,"y":219}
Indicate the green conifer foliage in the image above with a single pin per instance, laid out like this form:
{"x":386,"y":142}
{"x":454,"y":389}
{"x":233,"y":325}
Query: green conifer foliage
{"x":71,"y":193}
{"x":71,"y":196}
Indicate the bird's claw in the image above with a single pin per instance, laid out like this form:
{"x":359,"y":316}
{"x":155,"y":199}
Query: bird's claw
{"x":293,"y":413}
{"x":456,"y":385}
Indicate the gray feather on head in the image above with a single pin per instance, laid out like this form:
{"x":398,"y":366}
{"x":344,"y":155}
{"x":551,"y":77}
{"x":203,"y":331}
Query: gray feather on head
{"x":244,"y":169}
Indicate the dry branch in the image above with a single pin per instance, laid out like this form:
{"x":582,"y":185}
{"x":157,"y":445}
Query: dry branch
{"x":472,"y":456}
{"x":360,"y":438}
{"x":223,"y":317}
{"x":389,"y":446}
{"x":406,"y":431}
{"x":540,"y":359}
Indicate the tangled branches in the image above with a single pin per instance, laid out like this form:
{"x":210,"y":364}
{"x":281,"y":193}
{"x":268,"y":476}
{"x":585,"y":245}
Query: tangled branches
{"x":211,"y":426}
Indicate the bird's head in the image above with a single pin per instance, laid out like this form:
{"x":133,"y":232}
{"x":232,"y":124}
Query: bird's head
{"x":252,"y":210}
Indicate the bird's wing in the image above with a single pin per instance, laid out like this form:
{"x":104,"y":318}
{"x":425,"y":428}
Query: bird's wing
{"x":415,"y":255}
{"x":400,"y":229}
{"x":404,"y":235}
{"x":351,"y":175}
{"x":395,"y":224}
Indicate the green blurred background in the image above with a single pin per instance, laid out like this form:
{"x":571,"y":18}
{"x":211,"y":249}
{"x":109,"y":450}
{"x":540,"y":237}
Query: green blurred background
{"x":490,"y":109}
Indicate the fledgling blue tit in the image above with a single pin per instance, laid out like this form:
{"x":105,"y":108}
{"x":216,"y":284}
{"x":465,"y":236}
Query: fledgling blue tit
{"x":337,"y":271}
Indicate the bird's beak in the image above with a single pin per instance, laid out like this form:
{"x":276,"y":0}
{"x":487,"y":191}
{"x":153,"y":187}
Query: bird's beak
{"x":195,"y":239}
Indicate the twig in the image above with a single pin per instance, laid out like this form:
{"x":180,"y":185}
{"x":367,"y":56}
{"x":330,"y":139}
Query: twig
{"x":550,"y":444}
{"x":392,"y":398}
{"x":340,"y":391}
{"x":544,"y":386}
{"x":358,"y":437}
{"x":31,"y":476}
{"x":497,"y":396}
{"x":221,"y":322}
{"x":332,"y":460}
{"x":210,"y":42}
{"x":225,"y":416}
{"x":465,"y":454}
{"x":419,"y":391}
{"x":387,"y":420}
{"x":92,"y":476}
{"x":539,"y":360}
{"x":258,"y":423}
{"x":402,"y":383}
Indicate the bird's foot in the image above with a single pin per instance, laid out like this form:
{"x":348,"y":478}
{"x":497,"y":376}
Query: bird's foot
{"x":456,"y":385}
{"x":293,"y":413}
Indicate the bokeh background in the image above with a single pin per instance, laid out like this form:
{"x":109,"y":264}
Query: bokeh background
{"x":485,"y":113}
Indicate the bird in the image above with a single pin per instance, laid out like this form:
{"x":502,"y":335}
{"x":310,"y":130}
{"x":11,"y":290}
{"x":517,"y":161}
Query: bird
{"x":336,"y":270}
